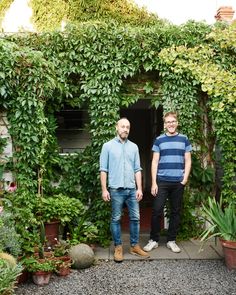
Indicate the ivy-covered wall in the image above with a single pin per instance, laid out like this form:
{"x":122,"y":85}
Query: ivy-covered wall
{"x":89,"y":64}
{"x":48,"y":15}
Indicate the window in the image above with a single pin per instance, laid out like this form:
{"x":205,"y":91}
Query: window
{"x":72,"y":133}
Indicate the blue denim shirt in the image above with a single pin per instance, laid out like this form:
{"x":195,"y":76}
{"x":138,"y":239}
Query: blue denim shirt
{"x":121,"y":161}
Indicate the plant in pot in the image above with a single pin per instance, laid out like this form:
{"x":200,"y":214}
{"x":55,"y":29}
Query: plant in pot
{"x":63,"y":266}
{"x":40,"y":265}
{"x":61,"y":249}
{"x":222,"y":222}
{"x":62,"y":259}
{"x":55,"y":210}
{"x":41,"y":269}
{"x":84,"y":232}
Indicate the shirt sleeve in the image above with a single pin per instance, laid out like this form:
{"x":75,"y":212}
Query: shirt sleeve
{"x":104,"y":156}
{"x":155,"y":147}
{"x":188,"y":146}
{"x":137,"y":166}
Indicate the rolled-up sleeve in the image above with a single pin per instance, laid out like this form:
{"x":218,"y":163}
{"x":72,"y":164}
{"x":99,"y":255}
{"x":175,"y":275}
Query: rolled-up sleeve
{"x":137,"y":166}
{"x":104,"y":159}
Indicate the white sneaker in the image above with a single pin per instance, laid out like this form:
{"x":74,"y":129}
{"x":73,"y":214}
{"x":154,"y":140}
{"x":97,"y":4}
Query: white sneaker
{"x":150,"y":245}
{"x":173,"y":247}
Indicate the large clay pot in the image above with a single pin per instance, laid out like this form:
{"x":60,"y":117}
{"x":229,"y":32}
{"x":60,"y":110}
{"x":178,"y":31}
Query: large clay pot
{"x":229,"y":250}
{"x":52,"y":232}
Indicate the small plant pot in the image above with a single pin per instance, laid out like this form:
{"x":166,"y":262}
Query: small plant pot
{"x":41,"y":277}
{"x":65,"y":258}
{"x":23,"y":277}
{"x":64,"y":264}
{"x":25,"y":274}
{"x":63,"y":271}
{"x":47,"y":254}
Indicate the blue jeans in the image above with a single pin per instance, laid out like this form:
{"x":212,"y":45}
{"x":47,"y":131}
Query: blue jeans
{"x":174,"y":192}
{"x":119,"y":197}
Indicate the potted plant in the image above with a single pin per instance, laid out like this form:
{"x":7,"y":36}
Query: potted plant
{"x":62,"y":259}
{"x":222,"y":222}
{"x":61,"y":248}
{"x":55,"y":210}
{"x":85,"y":232}
{"x":60,"y":207}
{"x":63,"y":266}
{"x":82,"y":230}
{"x":41,"y":269}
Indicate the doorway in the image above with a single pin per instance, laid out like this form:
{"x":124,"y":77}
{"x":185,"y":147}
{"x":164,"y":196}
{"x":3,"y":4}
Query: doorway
{"x":146,"y":124}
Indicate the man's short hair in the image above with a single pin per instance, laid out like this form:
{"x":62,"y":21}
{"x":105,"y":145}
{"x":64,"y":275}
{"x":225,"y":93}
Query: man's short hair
{"x":172,"y":113}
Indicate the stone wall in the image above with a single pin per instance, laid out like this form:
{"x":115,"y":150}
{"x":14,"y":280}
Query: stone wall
{"x":4,"y":124}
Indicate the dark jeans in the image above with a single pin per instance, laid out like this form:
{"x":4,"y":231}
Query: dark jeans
{"x":174,"y":192}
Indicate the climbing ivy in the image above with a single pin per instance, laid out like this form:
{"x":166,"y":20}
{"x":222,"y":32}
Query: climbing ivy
{"x":89,"y":64}
{"x":222,"y":103}
{"x":49,"y":15}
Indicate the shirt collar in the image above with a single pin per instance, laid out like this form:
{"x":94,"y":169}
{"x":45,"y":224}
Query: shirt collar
{"x":118,"y":140}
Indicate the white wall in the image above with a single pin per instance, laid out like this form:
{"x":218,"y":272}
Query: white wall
{"x":18,"y":17}
{"x":7,"y":176}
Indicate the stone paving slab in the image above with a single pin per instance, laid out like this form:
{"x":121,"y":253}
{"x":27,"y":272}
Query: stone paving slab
{"x":191,"y":249}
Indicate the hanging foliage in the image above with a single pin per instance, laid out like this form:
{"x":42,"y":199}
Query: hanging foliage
{"x":88,"y":64}
{"x":48,"y":15}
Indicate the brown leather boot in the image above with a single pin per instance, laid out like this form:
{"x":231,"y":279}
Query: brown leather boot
{"x":136,"y":250}
{"x":118,"y":254}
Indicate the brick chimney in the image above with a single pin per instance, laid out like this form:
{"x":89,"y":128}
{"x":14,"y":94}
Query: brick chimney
{"x":225,"y":13}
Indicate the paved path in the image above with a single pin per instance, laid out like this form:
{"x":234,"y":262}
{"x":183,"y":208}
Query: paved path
{"x":189,"y":250}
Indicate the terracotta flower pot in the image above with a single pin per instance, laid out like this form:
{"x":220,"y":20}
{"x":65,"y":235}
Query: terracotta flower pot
{"x":63,"y":271}
{"x":23,"y":277}
{"x":52,"y":232}
{"x":229,"y":250}
{"x":41,"y":277}
{"x":65,"y":258}
{"x":63,"y":268}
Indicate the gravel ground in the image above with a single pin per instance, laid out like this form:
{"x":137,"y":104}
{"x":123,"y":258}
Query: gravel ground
{"x":182,"y":277}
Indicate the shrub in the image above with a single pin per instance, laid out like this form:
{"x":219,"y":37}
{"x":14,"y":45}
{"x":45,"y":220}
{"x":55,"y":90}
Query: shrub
{"x":59,"y":207}
{"x":8,"y":276}
{"x":9,"y":239}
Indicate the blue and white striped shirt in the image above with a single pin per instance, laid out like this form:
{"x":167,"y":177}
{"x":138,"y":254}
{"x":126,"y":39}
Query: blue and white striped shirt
{"x":172,"y":150}
{"x":121,"y":161}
